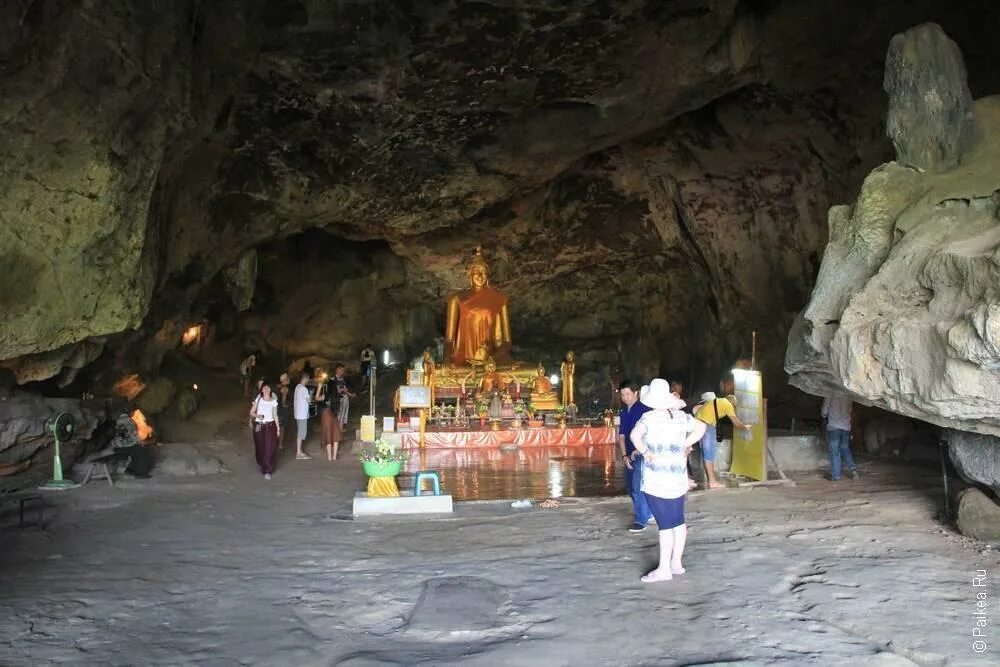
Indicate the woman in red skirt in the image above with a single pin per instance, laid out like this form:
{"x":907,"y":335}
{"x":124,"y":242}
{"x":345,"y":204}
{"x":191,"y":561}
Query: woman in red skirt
{"x":266,"y":428}
{"x":330,"y":423}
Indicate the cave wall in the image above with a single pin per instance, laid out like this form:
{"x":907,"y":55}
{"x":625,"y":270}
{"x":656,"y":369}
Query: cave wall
{"x":591,"y":147}
{"x":94,"y":98}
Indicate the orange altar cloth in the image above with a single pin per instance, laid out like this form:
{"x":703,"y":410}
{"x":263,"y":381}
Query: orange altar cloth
{"x":525,"y":437}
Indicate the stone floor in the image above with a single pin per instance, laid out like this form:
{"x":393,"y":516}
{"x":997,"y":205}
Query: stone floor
{"x":234,"y":570}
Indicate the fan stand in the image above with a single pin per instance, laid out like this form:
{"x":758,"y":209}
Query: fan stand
{"x":62,"y":423}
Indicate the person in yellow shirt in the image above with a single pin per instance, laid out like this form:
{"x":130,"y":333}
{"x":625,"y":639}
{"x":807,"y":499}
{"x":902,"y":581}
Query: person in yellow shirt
{"x":710,"y":411}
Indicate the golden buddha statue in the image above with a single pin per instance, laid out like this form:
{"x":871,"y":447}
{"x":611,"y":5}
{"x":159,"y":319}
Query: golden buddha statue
{"x":568,"y":368}
{"x":543,"y":396}
{"x":492,"y":381}
{"x":428,"y":368}
{"x":477,"y":317}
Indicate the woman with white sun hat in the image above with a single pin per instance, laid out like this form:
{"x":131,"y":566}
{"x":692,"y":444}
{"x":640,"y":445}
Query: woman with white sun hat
{"x":664,"y":437}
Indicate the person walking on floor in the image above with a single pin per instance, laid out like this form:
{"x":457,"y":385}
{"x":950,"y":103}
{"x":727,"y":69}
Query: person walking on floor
{"x":266,"y":429}
{"x":246,"y":373}
{"x":711,"y":410}
{"x":300,"y":410}
{"x":836,"y":412}
{"x":632,"y":410}
{"x":343,"y":390}
{"x":330,"y":429}
{"x":284,"y":406}
{"x":664,"y":437}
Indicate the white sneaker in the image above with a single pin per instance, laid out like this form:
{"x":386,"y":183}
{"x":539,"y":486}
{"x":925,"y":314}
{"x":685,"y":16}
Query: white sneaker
{"x":267,"y":475}
{"x":302,"y":456}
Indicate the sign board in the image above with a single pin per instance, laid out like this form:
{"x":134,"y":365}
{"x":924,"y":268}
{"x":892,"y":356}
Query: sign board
{"x":367,"y":428}
{"x":388,"y":424}
{"x":414,"y":396}
{"x":414,"y":377}
{"x":750,"y":448}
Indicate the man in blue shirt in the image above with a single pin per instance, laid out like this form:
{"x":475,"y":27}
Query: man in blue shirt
{"x":632,"y":411}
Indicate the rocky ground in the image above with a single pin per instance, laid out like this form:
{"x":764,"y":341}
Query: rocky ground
{"x":230,"y":569}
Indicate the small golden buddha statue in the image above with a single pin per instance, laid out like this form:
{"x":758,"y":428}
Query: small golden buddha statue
{"x":543,"y":396}
{"x":568,"y":368}
{"x":476,"y":317}
{"x":428,"y":367}
{"x":491,"y":380}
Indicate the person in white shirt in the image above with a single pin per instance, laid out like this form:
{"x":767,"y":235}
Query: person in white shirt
{"x":300,"y":410}
{"x":663,"y":438}
{"x":837,"y":413}
{"x":266,"y":429}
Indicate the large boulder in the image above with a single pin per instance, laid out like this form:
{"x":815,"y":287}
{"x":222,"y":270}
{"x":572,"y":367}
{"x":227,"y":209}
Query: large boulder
{"x":976,"y":457}
{"x":157,"y":396}
{"x":978,"y":516}
{"x":177,"y":459}
{"x":185,"y":404}
{"x":905,"y":314}
{"x":25,"y":418}
{"x":930,"y":108}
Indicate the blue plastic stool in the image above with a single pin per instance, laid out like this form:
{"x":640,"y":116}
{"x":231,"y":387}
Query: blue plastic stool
{"x":429,"y":475}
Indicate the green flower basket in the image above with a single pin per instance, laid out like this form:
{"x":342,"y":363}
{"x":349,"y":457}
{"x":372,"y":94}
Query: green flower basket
{"x":377,"y":469}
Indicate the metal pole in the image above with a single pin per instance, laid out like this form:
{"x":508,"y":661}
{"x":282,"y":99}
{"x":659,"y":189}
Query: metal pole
{"x":371,"y":389}
{"x":944,"y":479}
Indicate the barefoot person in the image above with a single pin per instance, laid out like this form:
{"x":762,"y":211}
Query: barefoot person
{"x":300,"y":410}
{"x":713,"y":409}
{"x":330,"y":429}
{"x":663,"y":437}
{"x":266,"y":427}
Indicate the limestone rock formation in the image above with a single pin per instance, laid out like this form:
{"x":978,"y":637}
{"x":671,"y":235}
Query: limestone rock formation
{"x":904,"y":313}
{"x":24,"y":424}
{"x":586,"y":145}
{"x":177,"y":459}
{"x":976,"y":457}
{"x":157,"y":396}
{"x":241,"y":279}
{"x":93,"y":96}
{"x":978,"y":516}
{"x":930,"y":108}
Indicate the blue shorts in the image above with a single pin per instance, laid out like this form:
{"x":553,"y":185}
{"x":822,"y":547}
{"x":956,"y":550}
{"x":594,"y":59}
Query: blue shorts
{"x":708,"y":444}
{"x":669,"y":512}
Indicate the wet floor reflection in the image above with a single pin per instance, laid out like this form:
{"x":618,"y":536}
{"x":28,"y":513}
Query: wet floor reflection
{"x":487,"y":473}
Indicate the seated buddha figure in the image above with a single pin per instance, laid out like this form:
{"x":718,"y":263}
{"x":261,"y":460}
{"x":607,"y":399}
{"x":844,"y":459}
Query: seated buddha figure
{"x":491,"y":381}
{"x":543,"y":396}
{"x":477,"y":317}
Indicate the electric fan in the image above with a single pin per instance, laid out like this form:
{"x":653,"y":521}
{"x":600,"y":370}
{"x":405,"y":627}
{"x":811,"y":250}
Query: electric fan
{"x":62,"y":429}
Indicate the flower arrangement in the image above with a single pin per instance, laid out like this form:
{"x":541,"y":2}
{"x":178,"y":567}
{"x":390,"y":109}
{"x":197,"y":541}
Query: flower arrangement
{"x":560,"y":410}
{"x":382,"y":454}
{"x":482,"y":408}
{"x":519,"y":407}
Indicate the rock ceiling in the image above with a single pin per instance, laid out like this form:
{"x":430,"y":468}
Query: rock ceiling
{"x":650,"y":171}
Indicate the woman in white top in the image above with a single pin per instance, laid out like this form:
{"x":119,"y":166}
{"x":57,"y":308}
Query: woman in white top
{"x":664,"y":437}
{"x":266,"y":428}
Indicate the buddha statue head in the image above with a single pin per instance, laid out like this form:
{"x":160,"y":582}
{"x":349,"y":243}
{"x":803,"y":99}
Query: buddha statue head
{"x":479,"y":272}
{"x":540,"y":371}
{"x":491,"y":366}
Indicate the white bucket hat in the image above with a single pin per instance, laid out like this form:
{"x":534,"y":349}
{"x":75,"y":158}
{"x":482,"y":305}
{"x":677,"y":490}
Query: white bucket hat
{"x":658,"y":396}
{"x":708,"y":396}
{"x":643,"y":390}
